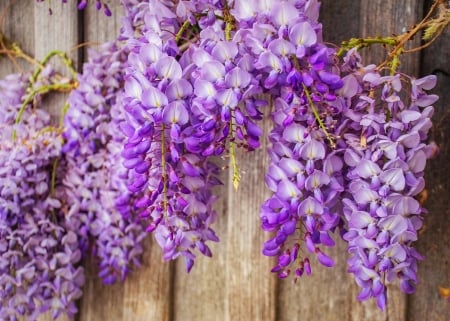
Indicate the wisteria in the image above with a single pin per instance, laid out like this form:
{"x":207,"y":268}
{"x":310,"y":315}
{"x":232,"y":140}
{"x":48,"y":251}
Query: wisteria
{"x":183,"y":84}
{"x":385,"y":159}
{"x":175,"y":182}
{"x":39,"y":253}
{"x":95,"y":177}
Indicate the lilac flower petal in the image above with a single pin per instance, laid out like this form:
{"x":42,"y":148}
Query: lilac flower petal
{"x":313,"y":150}
{"x":310,"y":206}
{"x":288,"y":190}
{"x":394,"y":178}
{"x":153,"y":97}
{"x":303,"y":34}
{"x":176,"y":113}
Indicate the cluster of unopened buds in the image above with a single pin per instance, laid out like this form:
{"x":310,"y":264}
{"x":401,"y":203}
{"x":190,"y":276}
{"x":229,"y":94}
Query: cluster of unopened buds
{"x":184,"y":83}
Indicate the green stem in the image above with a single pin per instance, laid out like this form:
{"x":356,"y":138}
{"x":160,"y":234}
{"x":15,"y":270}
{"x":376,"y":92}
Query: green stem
{"x":317,"y":116}
{"x":63,"y":114}
{"x":66,"y":60}
{"x":229,"y":21}
{"x":34,"y":92}
{"x":236,"y":175}
{"x":365,"y":42}
{"x":163,"y":169}
{"x":53,"y":180}
{"x":183,"y":28}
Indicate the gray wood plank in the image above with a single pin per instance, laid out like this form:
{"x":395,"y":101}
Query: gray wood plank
{"x":145,"y":294}
{"x":434,"y":272}
{"x":387,"y":18}
{"x":250,"y":289}
{"x":58,"y":31}
{"x":17,"y":25}
{"x":200,"y":295}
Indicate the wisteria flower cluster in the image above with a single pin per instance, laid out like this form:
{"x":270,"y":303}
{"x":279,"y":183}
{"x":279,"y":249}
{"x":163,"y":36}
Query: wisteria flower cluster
{"x":39,"y":252}
{"x":187,"y":82}
{"x":95,"y":178}
{"x":348,"y":143}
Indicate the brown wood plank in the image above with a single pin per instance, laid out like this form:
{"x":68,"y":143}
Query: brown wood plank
{"x":250,"y":287}
{"x":57,"y":31}
{"x":386,"y":18}
{"x":99,"y":301}
{"x":16,"y":25}
{"x":200,"y":295}
{"x":433,"y":243}
{"x":145,"y":294}
{"x":148,"y":291}
{"x":340,"y":20}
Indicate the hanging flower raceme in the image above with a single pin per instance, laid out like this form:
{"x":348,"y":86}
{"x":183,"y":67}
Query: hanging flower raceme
{"x":174,"y":182}
{"x":299,"y":72}
{"x":95,"y":178}
{"x":39,"y":248}
{"x":386,"y":158}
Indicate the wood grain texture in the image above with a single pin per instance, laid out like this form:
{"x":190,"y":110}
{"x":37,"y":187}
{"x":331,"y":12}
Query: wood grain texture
{"x":146,"y":293}
{"x":250,"y":287}
{"x":58,"y":31}
{"x":322,"y":296}
{"x":387,"y":18}
{"x":434,"y":272}
{"x":200,"y":295}
{"x":16,"y":25}
{"x":340,"y":20}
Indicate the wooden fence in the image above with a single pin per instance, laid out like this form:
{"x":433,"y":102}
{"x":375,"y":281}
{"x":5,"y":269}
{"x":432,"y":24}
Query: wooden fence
{"x":236,"y":284}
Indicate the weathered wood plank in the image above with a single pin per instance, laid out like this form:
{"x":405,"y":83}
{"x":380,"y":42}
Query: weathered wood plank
{"x":200,"y":295}
{"x":387,"y":18}
{"x":145,"y":295}
{"x":148,"y":292}
{"x":98,"y":28}
{"x":58,"y":31}
{"x":340,"y":20}
{"x":250,"y":289}
{"x":16,"y":25}
{"x":325,"y":295}
{"x":434,"y":271}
